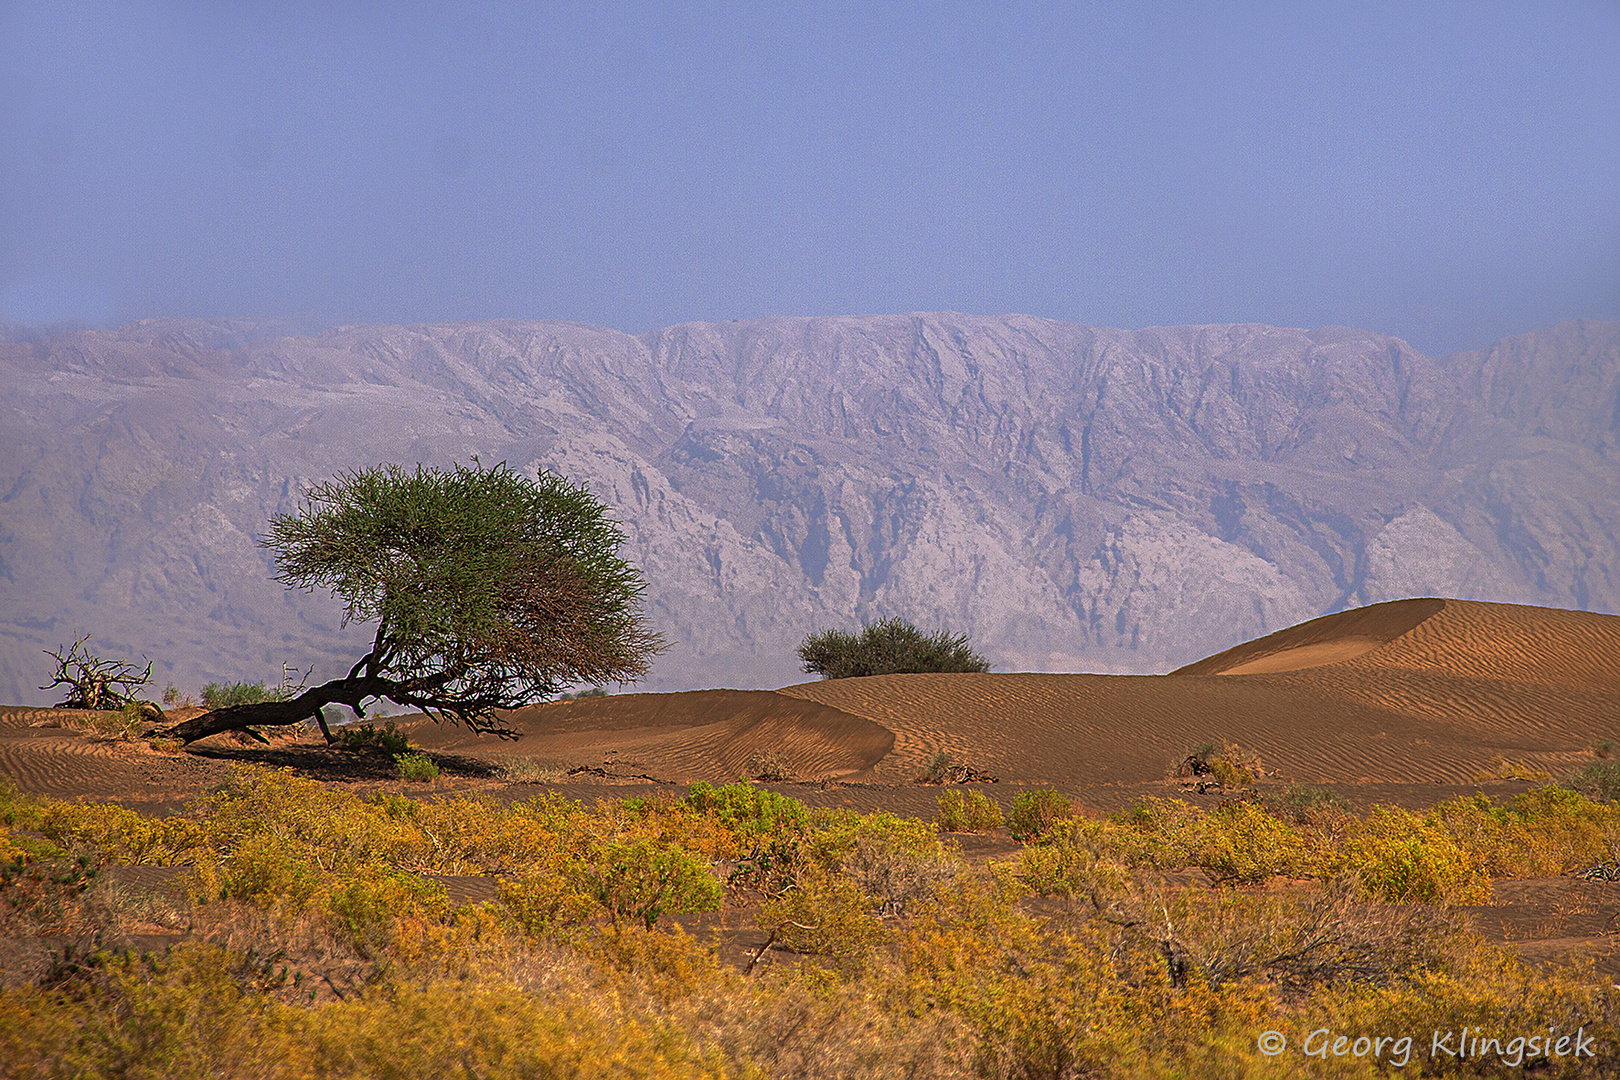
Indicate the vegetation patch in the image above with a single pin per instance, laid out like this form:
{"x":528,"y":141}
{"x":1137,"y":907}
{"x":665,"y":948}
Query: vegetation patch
{"x":314,"y":936}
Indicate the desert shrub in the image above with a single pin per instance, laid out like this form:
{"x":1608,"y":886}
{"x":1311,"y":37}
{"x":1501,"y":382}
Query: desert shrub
{"x":264,"y":869}
{"x":1302,"y":804}
{"x":122,"y":835}
{"x":1229,"y":773}
{"x":1402,"y":858}
{"x":390,"y":740}
{"x":828,"y":915}
{"x":478,"y":836}
{"x":1161,"y":834}
{"x":1539,"y":833}
{"x":937,"y":768}
{"x":897,"y":874}
{"x":768,"y":767}
{"x":1073,"y":863}
{"x":968,"y":812}
{"x":547,"y":903}
{"x":1488,"y":990}
{"x":95,"y":683}
{"x":220,"y":695}
{"x":836,"y":835}
{"x":1035,"y":812}
{"x":417,"y":768}
{"x":886,"y":647}
{"x":367,"y":907}
{"x":1599,"y":781}
{"x":643,"y":880}
{"x":1500,"y":768}
{"x":333,"y":830}
{"x":748,"y":810}
{"x":1241,"y":844}
{"x":17,"y":810}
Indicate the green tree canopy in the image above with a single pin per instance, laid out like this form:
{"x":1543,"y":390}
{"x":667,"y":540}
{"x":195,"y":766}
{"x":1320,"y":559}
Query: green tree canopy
{"x":887,"y":647}
{"x":489,"y":591}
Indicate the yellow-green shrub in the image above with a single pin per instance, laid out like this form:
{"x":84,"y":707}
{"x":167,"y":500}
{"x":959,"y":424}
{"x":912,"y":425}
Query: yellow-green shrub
{"x":1540,"y":833}
{"x":547,"y":903}
{"x":1403,"y":858}
{"x":1241,"y":844}
{"x":644,"y":880}
{"x":367,"y":908}
{"x":967,"y":812}
{"x":826,"y":915}
{"x":1035,"y":812}
{"x":122,"y":835}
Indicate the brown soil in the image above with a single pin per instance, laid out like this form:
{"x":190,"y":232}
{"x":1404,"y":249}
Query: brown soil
{"x":1404,"y":703}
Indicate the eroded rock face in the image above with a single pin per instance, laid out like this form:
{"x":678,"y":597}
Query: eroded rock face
{"x":1074,"y":498}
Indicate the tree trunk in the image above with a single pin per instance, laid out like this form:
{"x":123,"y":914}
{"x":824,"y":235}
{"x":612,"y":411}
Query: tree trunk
{"x":306,"y":706}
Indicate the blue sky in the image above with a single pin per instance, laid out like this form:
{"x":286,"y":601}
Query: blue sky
{"x":1445,"y":172}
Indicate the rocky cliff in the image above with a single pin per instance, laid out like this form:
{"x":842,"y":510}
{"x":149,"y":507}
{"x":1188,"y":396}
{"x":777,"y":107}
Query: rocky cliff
{"x":1074,"y":498}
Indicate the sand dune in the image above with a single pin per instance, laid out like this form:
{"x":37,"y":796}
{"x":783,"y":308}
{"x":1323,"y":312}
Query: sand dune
{"x":1413,"y":692}
{"x":699,"y":735}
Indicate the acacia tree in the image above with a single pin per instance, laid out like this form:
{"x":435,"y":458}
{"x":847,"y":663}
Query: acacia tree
{"x":887,"y":647}
{"x":489,"y":590}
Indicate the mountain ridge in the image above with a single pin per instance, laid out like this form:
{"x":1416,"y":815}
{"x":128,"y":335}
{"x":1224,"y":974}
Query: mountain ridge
{"x":1075,"y":498}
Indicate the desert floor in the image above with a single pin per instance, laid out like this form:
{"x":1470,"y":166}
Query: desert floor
{"x":1406,"y":703}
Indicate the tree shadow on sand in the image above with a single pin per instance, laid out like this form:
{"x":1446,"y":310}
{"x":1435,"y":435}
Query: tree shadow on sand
{"x":339,"y":764}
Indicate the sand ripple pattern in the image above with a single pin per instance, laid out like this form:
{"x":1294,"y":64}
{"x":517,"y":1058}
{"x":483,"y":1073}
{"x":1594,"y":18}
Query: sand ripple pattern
{"x":1424,"y":691}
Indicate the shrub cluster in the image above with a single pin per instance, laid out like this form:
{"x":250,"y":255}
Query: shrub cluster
{"x":320,"y":940}
{"x":886,"y":647}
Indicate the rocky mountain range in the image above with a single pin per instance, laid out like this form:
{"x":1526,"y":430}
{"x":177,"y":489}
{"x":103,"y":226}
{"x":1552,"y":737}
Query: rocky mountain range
{"x":1076,"y":499}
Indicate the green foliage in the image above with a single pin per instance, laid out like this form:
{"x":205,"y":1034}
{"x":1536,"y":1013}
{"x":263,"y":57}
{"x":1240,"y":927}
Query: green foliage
{"x":389,"y":739}
{"x":1034,"y":813}
{"x":887,"y":647}
{"x":1241,"y":844}
{"x":490,"y":590}
{"x":219,"y":695}
{"x":417,"y":768}
{"x":643,"y":880}
{"x":1540,"y":833}
{"x":1402,"y":858}
{"x":828,"y":915}
{"x":967,"y":812}
{"x":889,"y":955}
{"x":748,"y":810}
{"x":1599,"y":781}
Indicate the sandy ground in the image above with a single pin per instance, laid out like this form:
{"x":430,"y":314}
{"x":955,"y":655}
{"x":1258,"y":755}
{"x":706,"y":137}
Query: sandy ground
{"x":1405,"y":703}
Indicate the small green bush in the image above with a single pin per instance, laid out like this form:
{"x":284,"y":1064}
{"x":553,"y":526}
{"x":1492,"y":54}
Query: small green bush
{"x":887,"y":647}
{"x":968,"y":812}
{"x":390,"y":740}
{"x":1241,"y":844}
{"x":1599,"y":781}
{"x":417,"y":768}
{"x":748,"y":810}
{"x":644,"y":880}
{"x":1035,"y":812}
{"x":220,"y":695}
{"x":1402,"y":858}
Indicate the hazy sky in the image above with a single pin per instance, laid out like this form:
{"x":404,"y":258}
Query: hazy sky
{"x":1446,"y":172}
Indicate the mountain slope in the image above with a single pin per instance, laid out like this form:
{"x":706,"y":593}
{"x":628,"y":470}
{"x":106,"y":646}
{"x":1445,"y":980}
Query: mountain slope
{"x":1075,"y":498}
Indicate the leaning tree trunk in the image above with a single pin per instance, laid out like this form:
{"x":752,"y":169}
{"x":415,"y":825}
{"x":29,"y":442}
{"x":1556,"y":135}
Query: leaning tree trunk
{"x":306,"y":706}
